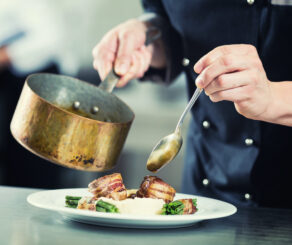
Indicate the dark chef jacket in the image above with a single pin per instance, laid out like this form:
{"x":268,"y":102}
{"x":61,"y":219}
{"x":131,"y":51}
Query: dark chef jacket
{"x":228,"y":156}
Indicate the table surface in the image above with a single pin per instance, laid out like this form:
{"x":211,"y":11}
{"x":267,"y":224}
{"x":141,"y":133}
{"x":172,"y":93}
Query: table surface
{"x":23,"y":224}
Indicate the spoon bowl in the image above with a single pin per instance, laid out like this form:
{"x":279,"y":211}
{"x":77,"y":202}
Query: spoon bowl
{"x":165,"y":150}
{"x":168,"y":147}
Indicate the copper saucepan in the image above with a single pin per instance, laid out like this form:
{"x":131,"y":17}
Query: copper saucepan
{"x":71,"y":122}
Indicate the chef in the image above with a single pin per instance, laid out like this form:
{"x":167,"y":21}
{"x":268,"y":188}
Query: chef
{"x":239,"y":51}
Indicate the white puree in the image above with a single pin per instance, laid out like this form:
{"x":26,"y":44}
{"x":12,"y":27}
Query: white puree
{"x":143,"y":206}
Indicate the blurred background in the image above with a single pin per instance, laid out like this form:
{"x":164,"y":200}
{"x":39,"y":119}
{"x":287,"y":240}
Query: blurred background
{"x":57,"y":36}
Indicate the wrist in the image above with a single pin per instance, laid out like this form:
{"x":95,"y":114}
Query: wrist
{"x":279,"y":109}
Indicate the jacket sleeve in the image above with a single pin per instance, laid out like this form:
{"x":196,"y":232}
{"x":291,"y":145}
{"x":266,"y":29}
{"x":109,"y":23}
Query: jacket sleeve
{"x":157,"y":16}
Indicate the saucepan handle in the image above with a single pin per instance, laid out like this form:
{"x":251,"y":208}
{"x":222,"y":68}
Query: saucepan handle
{"x":109,"y":83}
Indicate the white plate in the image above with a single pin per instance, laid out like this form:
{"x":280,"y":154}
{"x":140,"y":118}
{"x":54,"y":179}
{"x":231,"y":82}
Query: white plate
{"x":55,"y":200}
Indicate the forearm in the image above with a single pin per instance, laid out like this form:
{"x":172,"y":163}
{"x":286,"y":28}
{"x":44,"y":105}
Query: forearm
{"x":167,"y":51}
{"x":158,"y":60}
{"x":280,"y":109}
{"x":157,"y":48}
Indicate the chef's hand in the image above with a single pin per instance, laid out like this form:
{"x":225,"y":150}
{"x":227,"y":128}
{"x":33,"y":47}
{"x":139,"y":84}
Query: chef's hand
{"x":235,"y":73}
{"x":124,"y":48}
{"x":4,"y":58}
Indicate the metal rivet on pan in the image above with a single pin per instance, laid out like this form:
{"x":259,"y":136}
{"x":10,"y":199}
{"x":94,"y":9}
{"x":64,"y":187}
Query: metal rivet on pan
{"x":94,"y":109}
{"x":76,"y":105}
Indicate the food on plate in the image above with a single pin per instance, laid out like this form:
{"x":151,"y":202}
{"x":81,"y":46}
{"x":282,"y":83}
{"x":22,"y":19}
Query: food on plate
{"x":190,"y":205}
{"x":145,"y":206}
{"x":90,"y":203}
{"x":153,"y":197}
{"x":110,"y":186}
{"x":132,"y":193}
{"x":154,"y":187}
{"x":181,"y":206}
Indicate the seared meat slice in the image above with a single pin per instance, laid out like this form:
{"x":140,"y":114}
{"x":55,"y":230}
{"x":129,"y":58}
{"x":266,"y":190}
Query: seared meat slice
{"x":110,"y":186}
{"x":189,"y":206}
{"x":87,"y":203}
{"x":154,"y":187}
{"x":132,"y":193}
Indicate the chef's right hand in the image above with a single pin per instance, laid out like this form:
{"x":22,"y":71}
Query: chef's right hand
{"x":124,"y":49}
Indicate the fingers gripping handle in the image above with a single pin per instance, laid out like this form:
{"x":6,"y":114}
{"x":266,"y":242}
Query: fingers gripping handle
{"x":111,"y":80}
{"x":109,"y":83}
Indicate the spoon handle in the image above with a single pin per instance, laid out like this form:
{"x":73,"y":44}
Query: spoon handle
{"x":188,"y":108}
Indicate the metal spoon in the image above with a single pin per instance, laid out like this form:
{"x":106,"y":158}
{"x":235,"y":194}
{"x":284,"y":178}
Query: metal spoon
{"x":168,"y":147}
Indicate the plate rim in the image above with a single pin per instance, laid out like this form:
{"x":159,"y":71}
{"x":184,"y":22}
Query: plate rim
{"x":160,"y":218}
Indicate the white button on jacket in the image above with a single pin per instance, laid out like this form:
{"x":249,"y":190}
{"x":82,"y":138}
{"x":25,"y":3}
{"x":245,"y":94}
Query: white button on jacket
{"x":205,"y":182}
{"x":206,"y":124}
{"x":247,"y":196}
{"x":185,"y":62}
{"x":248,"y":142}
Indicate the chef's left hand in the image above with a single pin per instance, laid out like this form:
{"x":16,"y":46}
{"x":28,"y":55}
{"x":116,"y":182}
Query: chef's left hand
{"x":235,"y":73}
{"x":4,"y":58}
